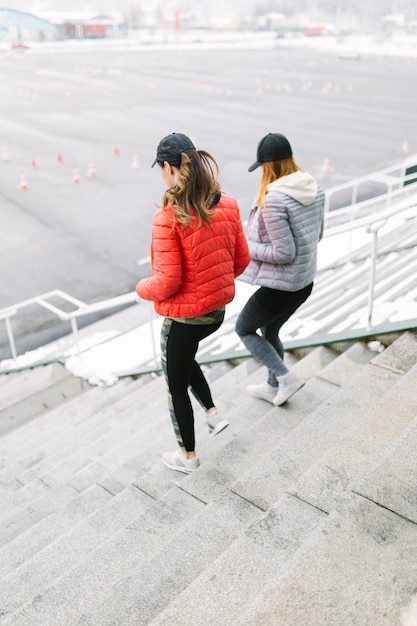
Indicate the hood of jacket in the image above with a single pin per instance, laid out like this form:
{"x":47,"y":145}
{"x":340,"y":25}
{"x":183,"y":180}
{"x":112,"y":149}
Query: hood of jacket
{"x":301,"y":186}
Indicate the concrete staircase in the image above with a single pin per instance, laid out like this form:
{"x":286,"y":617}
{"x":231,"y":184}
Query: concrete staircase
{"x":304,"y":514}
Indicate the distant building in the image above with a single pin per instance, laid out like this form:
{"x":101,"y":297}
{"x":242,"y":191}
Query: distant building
{"x":19,"y":27}
{"x":84,"y":24}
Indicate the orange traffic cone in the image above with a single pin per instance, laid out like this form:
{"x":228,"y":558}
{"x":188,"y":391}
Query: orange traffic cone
{"x":404,"y":147}
{"x":116,"y":151}
{"x":59,"y":159}
{"x":76,"y":177}
{"x":135,"y":162}
{"x":23,"y":182}
{"x":33,"y":164}
{"x":91,"y":172}
{"x":325,"y":168}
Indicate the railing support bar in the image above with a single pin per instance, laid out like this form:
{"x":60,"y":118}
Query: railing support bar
{"x":74,"y":328}
{"x":151,"y":320}
{"x":371,"y":290}
{"x":11,"y":340}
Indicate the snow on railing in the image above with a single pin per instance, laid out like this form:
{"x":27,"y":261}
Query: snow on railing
{"x":82,"y":308}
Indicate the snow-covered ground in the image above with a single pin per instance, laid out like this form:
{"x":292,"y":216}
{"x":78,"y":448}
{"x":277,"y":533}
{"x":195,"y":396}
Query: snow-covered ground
{"x":351,"y":46}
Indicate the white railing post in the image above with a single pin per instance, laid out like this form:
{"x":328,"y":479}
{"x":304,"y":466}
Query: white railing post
{"x":11,"y":340}
{"x":74,"y":328}
{"x":151,"y":321}
{"x":373,"y":229}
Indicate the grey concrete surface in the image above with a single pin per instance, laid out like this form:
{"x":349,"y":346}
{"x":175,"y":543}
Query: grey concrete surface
{"x":312,"y":436}
{"x":391,"y":482}
{"x":86,"y":238}
{"x":303,"y":554}
{"x":335,"y":583}
{"x":248,"y":566}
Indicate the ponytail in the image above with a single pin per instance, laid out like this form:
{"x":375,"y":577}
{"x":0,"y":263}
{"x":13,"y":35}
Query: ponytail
{"x":196,"y":188}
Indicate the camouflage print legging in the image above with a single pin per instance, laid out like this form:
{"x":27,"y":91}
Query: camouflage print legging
{"x":179,"y":344}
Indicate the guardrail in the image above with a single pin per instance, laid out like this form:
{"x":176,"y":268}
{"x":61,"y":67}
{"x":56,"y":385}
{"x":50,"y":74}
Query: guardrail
{"x":82,"y":309}
{"x":391,"y":178}
{"x":371,"y":215}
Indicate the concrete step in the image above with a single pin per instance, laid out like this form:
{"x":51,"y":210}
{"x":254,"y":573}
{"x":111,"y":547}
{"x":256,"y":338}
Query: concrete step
{"x":129,"y":439}
{"x":40,"y":502}
{"x":85,"y":475}
{"x":44,"y":478}
{"x":61,"y":427}
{"x":33,"y":392}
{"x":358,"y":445}
{"x":75,"y":422}
{"x":320,"y":430}
{"x":231,"y":458}
{"x":32,"y":540}
{"x":114,"y":445}
{"x":241,"y":410}
{"x":222,"y":536}
{"x":50,"y":420}
{"x":40,"y":496}
{"x":233,"y":581}
{"x":358,"y":571}
{"x":87,"y":575}
{"x":65,"y":502}
{"x":391,"y":481}
{"x":82,"y":539}
{"x":176,"y":564}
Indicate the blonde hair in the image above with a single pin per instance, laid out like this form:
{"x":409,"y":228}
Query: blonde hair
{"x":272,"y":170}
{"x":196,"y":188}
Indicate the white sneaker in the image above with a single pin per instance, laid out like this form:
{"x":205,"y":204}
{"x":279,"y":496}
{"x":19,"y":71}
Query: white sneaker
{"x":263,"y":391}
{"x":287,"y":386}
{"x":216,"y":423}
{"x":177,"y":461}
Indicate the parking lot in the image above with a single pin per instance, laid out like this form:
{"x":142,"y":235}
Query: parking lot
{"x":97,"y":113}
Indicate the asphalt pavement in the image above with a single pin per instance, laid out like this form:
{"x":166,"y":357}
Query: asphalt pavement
{"x":80,"y":125}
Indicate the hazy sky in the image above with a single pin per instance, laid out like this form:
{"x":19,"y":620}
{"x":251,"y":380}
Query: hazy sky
{"x":215,"y":6}
{"x":367,"y":9}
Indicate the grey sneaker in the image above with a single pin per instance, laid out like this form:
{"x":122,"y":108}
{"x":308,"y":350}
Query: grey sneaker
{"x":177,"y":461}
{"x":216,"y":423}
{"x":263,"y":391}
{"x":287,"y":386}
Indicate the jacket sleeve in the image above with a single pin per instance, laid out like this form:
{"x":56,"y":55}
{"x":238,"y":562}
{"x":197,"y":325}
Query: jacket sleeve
{"x":242,"y":254}
{"x":280,"y":245}
{"x":166,"y":258}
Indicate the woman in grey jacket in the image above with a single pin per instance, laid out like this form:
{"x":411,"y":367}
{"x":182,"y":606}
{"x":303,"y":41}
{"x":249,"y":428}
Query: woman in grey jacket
{"x":285,"y":226}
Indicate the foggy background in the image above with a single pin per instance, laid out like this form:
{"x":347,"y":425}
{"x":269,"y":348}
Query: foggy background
{"x":366,"y":14}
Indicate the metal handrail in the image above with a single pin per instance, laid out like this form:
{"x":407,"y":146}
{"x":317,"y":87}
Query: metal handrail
{"x":400,"y":201}
{"x":390,"y":177}
{"x":82,"y":309}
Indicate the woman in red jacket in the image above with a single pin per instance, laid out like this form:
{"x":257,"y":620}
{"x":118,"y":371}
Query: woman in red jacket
{"x":198,"y":248}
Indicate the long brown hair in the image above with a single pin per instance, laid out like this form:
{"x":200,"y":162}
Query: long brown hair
{"x":195,"y":189}
{"x":272,"y":170}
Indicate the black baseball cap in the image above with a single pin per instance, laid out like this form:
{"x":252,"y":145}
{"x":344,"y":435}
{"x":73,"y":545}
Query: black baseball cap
{"x":272,"y":147}
{"x":171,"y":147}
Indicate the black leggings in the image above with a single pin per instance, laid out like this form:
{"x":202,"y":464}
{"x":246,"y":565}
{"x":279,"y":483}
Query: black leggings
{"x":179,"y":345}
{"x":267,"y":310}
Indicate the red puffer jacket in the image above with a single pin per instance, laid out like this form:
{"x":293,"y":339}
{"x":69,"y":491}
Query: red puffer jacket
{"x":193,"y":269}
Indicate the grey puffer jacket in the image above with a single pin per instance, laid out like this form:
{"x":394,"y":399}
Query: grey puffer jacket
{"x":283,"y":237}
